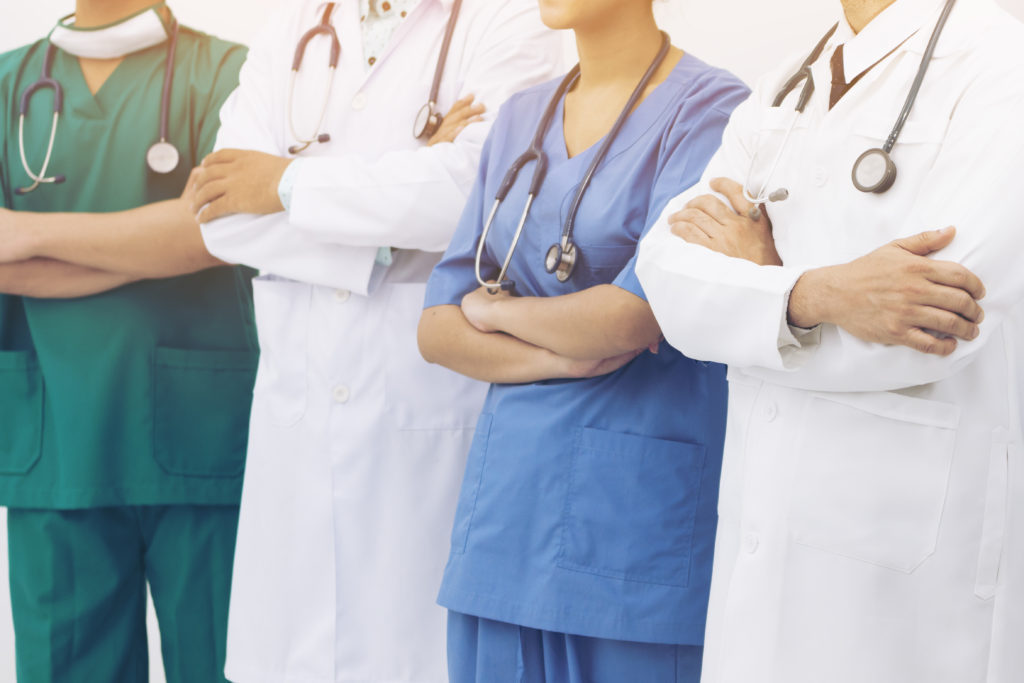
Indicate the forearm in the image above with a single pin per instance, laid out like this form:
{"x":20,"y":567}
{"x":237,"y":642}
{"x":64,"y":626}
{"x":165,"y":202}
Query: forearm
{"x":447,"y":338}
{"x":592,"y":324}
{"x":152,"y":241}
{"x":49,"y":279}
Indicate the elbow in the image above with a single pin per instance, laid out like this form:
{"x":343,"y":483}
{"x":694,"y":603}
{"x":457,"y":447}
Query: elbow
{"x":633,"y":324}
{"x":427,"y":336}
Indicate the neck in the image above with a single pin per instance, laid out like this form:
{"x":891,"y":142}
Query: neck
{"x":859,"y":13}
{"x":618,"y":48}
{"x":92,"y":13}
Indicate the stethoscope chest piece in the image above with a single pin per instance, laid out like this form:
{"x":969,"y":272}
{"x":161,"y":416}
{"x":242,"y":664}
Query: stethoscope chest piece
{"x":874,"y":171}
{"x":427,"y":123}
{"x":163,"y":157}
{"x":561,"y":260}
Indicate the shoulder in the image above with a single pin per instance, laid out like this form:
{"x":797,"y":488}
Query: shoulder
{"x":14,"y":61}
{"x":210,"y":49}
{"x":700,"y":86}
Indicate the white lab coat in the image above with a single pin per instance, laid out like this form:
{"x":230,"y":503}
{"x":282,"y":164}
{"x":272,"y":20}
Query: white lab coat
{"x":872,"y":498}
{"x":357,"y":445}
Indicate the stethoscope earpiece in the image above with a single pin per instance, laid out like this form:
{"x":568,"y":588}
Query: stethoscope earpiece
{"x":874,"y":171}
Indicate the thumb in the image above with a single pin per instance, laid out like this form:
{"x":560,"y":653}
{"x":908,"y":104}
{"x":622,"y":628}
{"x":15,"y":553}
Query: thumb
{"x":928,"y":242}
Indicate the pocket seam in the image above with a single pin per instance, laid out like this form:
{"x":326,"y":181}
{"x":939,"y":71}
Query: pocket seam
{"x":461,"y":549}
{"x":27,"y":362}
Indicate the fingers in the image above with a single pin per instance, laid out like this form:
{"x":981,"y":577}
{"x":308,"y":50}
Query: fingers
{"x":713,"y":207}
{"x":919,"y":340}
{"x":924,"y":243}
{"x":208,"y":193}
{"x":214,"y":210}
{"x":224,"y":156}
{"x":955,"y":275}
{"x":459,"y":105}
{"x":733,"y":191}
{"x":954,"y":300}
{"x":941,"y":320}
{"x":694,"y":225}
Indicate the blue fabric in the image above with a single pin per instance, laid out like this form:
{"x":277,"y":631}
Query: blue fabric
{"x":495,"y":652}
{"x":589,"y":507}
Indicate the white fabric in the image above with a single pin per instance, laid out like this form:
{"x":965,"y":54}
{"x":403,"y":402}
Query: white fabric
{"x":142,"y":31}
{"x":872,"y":499}
{"x":357,"y":445}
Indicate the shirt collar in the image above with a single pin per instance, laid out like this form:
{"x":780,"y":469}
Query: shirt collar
{"x":893,"y":26}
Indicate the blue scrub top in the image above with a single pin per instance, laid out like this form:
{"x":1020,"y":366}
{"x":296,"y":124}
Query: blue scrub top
{"x":589,"y":506}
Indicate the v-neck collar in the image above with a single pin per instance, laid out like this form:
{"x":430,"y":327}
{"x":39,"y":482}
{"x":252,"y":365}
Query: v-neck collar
{"x":80,"y":98}
{"x":883,"y":34}
{"x":635,"y":126}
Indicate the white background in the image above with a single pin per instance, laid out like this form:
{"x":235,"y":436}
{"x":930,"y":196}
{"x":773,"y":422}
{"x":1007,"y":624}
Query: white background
{"x":745,"y":36}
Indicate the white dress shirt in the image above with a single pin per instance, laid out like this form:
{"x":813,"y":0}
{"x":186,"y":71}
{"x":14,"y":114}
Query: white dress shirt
{"x":872,"y":500}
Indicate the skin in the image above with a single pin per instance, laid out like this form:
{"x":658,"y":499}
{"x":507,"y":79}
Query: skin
{"x":64,"y":255}
{"x":503,"y":338}
{"x":896,"y":294}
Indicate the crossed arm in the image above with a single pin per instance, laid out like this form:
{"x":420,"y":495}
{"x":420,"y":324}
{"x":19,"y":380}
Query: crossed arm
{"x":511,"y":340}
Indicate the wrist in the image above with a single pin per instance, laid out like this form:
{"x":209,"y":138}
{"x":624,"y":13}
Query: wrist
{"x":809,"y":299}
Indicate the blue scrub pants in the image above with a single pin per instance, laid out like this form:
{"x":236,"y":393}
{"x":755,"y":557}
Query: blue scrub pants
{"x":485,"y":651}
{"x":78,"y":591}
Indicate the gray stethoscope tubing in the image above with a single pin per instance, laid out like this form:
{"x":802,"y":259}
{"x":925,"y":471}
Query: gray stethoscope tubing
{"x":427,"y":121}
{"x":562,"y":257}
{"x":48,"y":81}
{"x":874,"y":171}
{"x":45,"y":81}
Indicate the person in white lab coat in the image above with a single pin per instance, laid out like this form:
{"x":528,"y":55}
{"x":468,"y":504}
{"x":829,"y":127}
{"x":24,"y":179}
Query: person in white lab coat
{"x":357,"y":445}
{"x":872,"y":496}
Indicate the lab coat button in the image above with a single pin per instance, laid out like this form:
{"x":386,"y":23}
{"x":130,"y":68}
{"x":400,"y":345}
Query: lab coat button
{"x":341,"y":394}
{"x":359,"y":101}
{"x":820,"y":176}
{"x":342,"y":295}
{"x":751,"y":543}
{"x":770,"y":411}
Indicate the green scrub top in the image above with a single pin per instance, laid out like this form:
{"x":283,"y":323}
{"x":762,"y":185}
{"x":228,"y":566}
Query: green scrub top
{"x":141,"y":395}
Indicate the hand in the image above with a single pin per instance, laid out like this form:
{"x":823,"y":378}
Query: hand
{"x":15,"y":242}
{"x":238,"y":181}
{"x":895,"y":295}
{"x":462,"y":113}
{"x":585,"y":369}
{"x":188,"y":195}
{"x":707,"y":221}
{"x":478,"y":307}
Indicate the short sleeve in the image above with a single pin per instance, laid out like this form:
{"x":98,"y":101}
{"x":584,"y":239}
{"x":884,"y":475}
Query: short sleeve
{"x":455,"y":275}
{"x":690,"y":144}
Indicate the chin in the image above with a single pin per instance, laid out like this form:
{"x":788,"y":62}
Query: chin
{"x":558,"y":14}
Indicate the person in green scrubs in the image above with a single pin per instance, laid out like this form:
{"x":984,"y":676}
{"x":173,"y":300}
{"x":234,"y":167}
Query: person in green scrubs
{"x":126,"y":366}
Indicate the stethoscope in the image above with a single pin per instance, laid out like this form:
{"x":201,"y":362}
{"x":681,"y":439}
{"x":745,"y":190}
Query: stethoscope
{"x":563,"y":256}
{"x":428,"y":119}
{"x":162,"y":157}
{"x":874,"y":171}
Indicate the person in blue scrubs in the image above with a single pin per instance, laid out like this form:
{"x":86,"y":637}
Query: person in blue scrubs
{"x":583,"y":539}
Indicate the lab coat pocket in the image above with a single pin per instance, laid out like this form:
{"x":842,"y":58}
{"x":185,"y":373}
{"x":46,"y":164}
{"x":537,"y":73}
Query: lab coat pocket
{"x":21,"y":412}
{"x":420,"y":395}
{"x":993,"y":527}
{"x":631,"y":507}
{"x":877,"y":494}
{"x":466,"y":508}
{"x":189,"y":387}
{"x":282,"y":324}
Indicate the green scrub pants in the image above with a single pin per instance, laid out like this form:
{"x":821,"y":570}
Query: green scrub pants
{"x":78,"y":591}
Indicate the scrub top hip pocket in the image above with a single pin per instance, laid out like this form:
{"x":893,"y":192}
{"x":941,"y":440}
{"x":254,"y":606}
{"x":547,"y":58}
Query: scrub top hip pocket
{"x":631,"y":507}
{"x":872,"y":475}
{"x":282,"y":326}
{"x":21,"y":412}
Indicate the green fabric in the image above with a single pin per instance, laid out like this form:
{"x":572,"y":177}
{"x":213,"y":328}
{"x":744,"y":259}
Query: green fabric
{"x":78,"y":591}
{"x":141,"y":395}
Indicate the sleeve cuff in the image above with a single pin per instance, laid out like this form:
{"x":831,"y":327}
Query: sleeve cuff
{"x":286,"y":188}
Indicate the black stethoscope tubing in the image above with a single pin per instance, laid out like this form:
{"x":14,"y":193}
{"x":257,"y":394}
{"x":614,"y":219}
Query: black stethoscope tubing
{"x":562,"y":257}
